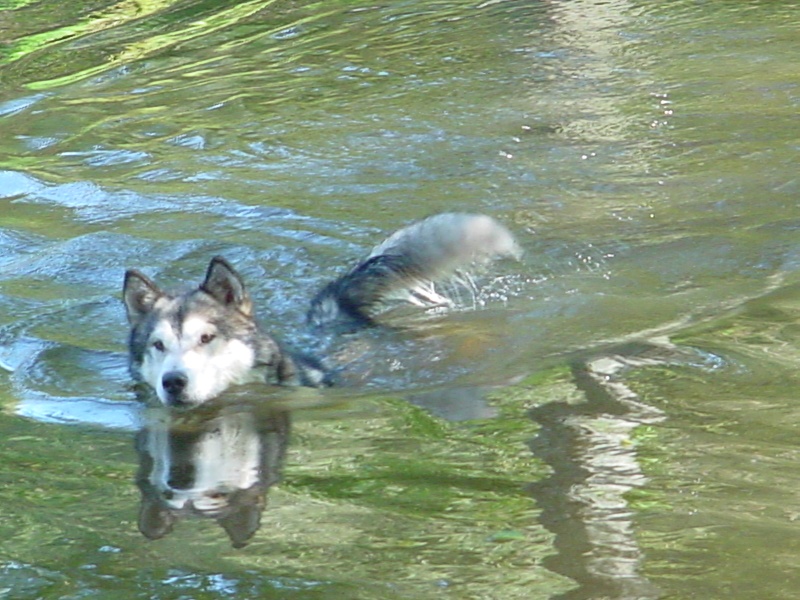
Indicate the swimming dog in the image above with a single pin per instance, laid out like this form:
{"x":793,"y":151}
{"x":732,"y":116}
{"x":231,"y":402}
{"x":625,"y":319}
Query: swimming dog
{"x":191,"y":347}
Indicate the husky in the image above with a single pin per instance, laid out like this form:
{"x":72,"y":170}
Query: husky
{"x":190,"y":347}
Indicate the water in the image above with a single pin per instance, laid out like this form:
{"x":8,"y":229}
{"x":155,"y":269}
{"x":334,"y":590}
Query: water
{"x":615,"y":420}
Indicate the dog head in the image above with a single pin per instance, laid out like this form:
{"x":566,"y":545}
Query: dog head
{"x":190,"y":347}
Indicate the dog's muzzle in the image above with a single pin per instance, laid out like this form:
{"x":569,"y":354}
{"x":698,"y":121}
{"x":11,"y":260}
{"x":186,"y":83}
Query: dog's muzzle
{"x":174,"y":384}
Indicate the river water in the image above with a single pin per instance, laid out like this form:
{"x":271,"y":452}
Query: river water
{"x":612,"y":417}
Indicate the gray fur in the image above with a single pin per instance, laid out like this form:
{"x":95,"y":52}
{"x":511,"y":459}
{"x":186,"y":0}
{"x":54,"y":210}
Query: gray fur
{"x":179,"y":344}
{"x":444,"y":250}
{"x":223,"y":302}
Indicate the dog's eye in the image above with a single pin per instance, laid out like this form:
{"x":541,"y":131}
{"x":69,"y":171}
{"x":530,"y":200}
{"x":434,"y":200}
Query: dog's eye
{"x":158,"y":345}
{"x":207,"y":338}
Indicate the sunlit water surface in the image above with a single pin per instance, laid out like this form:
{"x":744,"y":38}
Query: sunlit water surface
{"x":612,"y":417}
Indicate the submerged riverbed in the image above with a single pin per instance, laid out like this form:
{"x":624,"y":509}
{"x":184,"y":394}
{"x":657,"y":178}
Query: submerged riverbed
{"x":613,"y":416}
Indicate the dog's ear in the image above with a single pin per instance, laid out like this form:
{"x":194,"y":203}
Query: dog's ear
{"x":139,"y":294}
{"x":226,"y":286}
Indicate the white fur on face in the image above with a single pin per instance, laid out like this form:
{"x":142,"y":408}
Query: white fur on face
{"x":211,"y":367}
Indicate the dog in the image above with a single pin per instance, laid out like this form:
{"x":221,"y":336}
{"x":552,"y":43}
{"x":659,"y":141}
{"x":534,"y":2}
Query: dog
{"x":190,"y":347}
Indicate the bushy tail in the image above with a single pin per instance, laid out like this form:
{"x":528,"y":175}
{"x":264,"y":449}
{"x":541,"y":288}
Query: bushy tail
{"x":442,"y":250}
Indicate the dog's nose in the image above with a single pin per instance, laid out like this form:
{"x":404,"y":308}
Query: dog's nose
{"x":174,"y":383}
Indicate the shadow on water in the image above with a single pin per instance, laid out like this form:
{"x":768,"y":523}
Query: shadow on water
{"x":588,"y":442}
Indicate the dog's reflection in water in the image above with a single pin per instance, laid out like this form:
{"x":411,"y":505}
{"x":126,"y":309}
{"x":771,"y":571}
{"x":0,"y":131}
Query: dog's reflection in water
{"x":217,"y":463}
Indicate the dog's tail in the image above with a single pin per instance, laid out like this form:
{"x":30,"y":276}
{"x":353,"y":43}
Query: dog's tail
{"x":443,"y":250}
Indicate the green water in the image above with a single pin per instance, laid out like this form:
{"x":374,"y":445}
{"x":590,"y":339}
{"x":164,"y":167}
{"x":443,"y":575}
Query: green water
{"x":645,"y":155}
